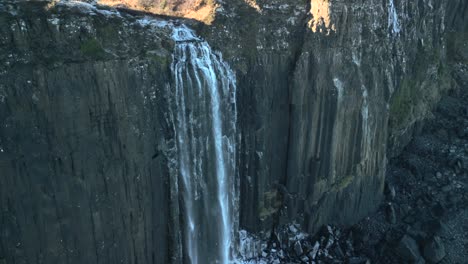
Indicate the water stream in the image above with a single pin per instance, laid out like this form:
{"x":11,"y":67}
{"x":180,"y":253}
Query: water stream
{"x":393,"y":22}
{"x":205,"y":120}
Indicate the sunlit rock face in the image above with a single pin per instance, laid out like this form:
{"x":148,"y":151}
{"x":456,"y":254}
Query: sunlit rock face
{"x":89,"y":136}
{"x":201,"y":10}
{"x":320,"y":11}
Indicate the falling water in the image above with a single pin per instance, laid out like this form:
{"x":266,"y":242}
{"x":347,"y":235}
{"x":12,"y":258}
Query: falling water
{"x":393,"y":23}
{"x":206,"y":135}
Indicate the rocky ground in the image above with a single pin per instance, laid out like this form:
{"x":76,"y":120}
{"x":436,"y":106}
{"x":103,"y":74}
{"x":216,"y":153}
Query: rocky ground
{"x":424,"y":218}
{"x":425,"y":214}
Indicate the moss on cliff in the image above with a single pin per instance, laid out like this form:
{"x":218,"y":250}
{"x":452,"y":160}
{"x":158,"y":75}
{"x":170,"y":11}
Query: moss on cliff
{"x":420,"y":89}
{"x":270,"y":204}
{"x":92,"y":48}
{"x":402,"y":103}
{"x":108,"y":32}
{"x":343,"y":183}
{"x":456,"y":42}
{"x":160,"y":60}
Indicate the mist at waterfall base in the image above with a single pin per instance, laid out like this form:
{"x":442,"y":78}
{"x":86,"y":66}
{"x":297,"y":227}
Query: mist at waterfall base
{"x":205,"y":126}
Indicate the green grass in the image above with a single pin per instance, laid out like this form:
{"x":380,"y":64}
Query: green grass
{"x":343,"y":183}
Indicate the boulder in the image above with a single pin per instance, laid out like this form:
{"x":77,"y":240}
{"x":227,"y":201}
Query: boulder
{"x":408,"y":249}
{"x":434,"y":250}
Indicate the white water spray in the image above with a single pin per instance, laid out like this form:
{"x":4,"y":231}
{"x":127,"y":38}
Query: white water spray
{"x":206,"y":136}
{"x":393,"y":22}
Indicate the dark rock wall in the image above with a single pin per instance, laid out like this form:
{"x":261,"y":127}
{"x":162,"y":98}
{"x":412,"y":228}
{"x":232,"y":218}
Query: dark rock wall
{"x":264,"y":121}
{"x":457,"y":15}
{"x":342,"y":90}
{"x":82,"y":174}
{"x":457,"y":37}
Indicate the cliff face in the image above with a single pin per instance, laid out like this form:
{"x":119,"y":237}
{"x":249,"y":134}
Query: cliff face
{"x":321,"y":93}
{"x":87,"y":138}
{"x":84,"y":124}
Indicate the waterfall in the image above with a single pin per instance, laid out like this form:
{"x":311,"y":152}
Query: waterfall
{"x":393,"y":23}
{"x":205,"y":126}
